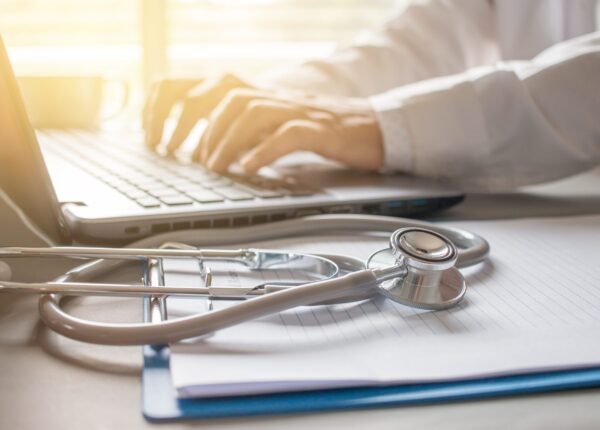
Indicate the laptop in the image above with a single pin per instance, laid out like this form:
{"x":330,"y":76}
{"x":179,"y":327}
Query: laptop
{"x":107,"y":187}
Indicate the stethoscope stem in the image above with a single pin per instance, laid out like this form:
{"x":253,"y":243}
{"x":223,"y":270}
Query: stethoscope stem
{"x":387,"y":273}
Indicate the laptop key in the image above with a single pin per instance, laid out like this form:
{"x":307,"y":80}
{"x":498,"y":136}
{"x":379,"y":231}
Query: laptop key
{"x":261,"y":192}
{"x":148,"y":186}
{"x":205,"y":196}
{"x":115,"y":182}
{"x":176,"y":181}
{"x":233,"y":193}
{"x":126,"y":189}
{"x":149,"y":202}
{"x":189,"y":187}
{"x":176,"y":200}
{"x":164,"y":192}
{"x":136,"y":194}
{"x":298,"y":191}
{"x":215,"y":182}
{"x":196,"y":172}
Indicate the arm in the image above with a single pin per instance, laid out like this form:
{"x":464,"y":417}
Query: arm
{"x":427,"y":39}
{"x":501,"y":126}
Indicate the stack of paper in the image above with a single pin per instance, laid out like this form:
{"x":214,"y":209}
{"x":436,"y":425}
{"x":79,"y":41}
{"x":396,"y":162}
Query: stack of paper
{"x":535,"y":305}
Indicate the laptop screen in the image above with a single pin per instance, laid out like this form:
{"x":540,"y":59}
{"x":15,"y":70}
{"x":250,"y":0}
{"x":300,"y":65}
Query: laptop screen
{"x":23,"y":174}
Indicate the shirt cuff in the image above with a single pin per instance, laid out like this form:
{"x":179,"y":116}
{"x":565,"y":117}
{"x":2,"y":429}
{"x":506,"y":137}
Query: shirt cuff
{"x":398,"y":148}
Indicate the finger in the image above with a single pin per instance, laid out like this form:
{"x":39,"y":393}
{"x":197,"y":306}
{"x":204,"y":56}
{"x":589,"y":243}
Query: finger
{"x":221,"y":118}
{"x":199,"y":102}
{"x":148,"y":103}
{"x":159,"y":105}
{"x":190,"y":115}
{"x":296,"y":135}
{"x":259,"y":118}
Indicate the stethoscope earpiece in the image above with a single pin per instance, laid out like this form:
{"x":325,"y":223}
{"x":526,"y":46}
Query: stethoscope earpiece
{"x":429,"y":279}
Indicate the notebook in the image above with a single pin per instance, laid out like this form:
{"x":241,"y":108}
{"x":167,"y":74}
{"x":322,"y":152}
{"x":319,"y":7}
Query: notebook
{"x":533,"y":307}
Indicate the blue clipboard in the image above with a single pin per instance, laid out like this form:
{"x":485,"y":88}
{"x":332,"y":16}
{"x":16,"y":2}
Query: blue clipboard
{"x":160,"y":402}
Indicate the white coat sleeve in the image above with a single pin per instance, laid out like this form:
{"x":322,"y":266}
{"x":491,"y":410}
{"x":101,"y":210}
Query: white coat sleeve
{"x":428,"y":38}
{"x":498,"y":127}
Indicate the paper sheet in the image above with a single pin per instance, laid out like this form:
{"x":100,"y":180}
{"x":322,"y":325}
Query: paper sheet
{"x":535,"y":305}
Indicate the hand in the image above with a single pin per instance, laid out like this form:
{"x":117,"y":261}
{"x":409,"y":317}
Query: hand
{"x":198,"y":97}
{"x":257,"y":127}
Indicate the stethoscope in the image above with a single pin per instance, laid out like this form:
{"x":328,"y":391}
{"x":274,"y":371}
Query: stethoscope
{"x":417,"y":269}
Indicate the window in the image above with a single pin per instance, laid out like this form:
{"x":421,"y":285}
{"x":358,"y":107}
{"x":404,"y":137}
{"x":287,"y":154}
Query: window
{"x":210,"y":37}
{"x":137,"y":40}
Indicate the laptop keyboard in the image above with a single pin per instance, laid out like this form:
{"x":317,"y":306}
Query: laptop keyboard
{"x":153,"y":181}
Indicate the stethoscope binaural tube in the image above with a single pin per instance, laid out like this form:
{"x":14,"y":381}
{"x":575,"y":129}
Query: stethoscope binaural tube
{"x":471,"y":249}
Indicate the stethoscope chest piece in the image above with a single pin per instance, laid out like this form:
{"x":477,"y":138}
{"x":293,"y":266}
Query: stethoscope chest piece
{"x":428,"y":279}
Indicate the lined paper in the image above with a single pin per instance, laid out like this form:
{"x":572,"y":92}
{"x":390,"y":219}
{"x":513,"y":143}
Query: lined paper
{"x":534,"y":305}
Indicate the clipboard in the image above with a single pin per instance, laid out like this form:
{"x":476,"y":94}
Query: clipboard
{"x":160,"y":402}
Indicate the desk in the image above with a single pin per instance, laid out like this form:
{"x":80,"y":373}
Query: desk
{"x":48,"y":382}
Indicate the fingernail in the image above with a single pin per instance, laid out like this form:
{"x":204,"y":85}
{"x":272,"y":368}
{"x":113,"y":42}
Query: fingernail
{"x":248,"y":164}
{"x":246,"y":160}
{"x":204,"y":155}
{"x":212,"y":163}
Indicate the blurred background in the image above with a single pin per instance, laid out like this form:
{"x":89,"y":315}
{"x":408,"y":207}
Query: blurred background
{"x":141,"y":40}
